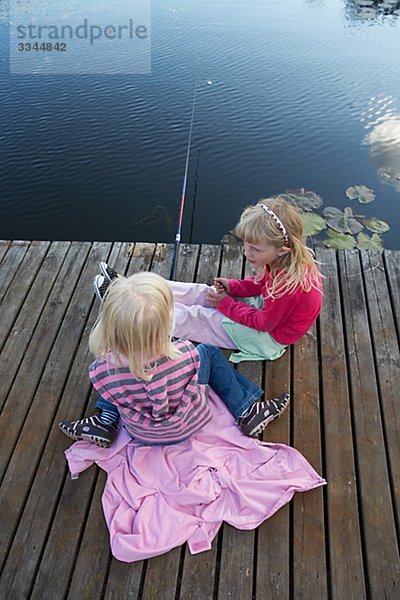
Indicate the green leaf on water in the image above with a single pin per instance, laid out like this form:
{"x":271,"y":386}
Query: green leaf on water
{"x":339,"y":241}
{"x":313,"y":223}
{"x":303,"y":199}
{"x":376,"y":225}
{"x":364,"y":242}
{"x":362,"y":193}
{"x":342,"y":222}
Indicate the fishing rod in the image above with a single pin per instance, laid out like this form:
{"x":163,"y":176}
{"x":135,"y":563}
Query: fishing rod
{"x":178,"y":231}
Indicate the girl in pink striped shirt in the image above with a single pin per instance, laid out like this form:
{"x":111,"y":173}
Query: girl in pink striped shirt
{"x":156,"y":387}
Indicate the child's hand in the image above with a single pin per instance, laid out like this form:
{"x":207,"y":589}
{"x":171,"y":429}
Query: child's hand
{"x":214,"y":297}
{"x":221,"y":284}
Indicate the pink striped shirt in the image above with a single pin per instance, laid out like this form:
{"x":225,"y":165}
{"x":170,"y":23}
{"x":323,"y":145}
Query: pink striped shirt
{"x":169,"y":408}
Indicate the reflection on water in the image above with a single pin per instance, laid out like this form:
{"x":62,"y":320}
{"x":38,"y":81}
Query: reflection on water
{"x":371,"y":11}
{"x":382,"y":118}
{"x":384,"y":142}
{"x":102,"y":157}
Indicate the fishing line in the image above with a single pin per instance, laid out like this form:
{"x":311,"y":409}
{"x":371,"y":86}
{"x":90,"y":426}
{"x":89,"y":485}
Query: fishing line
{"x":155,"y":215}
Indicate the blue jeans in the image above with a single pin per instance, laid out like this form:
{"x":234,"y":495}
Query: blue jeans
{"x":237,"y":392}
{"x":106,"y":405}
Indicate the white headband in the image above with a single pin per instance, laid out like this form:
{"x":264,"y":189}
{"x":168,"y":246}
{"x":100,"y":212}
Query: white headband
{"x":277,"y":221}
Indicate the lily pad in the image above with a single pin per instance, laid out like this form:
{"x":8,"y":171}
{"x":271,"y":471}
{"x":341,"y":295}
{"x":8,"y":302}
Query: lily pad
{"x":364,"y":242}
{"x":313,"y":223}
{"x":342,"y":222}
{"x":376,"y":225}
{"x":362,"y":193}
{"x":339,"y":241}
{"x":303,"y":199}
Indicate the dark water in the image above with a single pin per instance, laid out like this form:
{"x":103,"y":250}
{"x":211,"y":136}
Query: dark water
{"x":302,"y":94}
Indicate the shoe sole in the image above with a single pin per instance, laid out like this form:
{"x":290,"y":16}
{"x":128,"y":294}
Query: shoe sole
{"x":96,"y":289}
{"x":260,"y":428}
{"x":103,"y":270}
{"x":86,"y":437}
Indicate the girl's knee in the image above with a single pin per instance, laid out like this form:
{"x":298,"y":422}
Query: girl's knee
{"x":209,"y":348}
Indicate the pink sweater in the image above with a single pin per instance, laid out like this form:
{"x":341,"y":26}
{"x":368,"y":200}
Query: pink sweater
{"x":169,"y":408}
{"x":286,"y":319}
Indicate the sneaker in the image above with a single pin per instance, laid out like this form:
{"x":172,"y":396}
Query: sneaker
{"x":100,"y":286}
{"x":261,"y":413}
{"x":90,"y":429}
{"x":107,"y":272}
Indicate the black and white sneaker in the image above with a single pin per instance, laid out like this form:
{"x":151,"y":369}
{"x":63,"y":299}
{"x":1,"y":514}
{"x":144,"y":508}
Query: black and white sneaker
{"x":92,"y":430}
{"x":261,"y":413}
{"x":100,"y":286}
{"x":107,"y":272}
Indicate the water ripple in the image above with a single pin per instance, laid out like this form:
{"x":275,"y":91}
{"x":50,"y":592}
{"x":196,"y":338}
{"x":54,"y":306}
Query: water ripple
{"x":297,"y":97}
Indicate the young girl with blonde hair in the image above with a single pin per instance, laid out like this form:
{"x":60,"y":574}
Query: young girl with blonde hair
{"x":261,"y":315}
{"x":158,"y":388}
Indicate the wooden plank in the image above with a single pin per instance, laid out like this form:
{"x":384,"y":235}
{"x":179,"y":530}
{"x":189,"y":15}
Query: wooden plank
{"x":237,"y":568}
{"x":4,"y":246}
{"x":162,"y":574}
{"x":62,"y":528}
{"x":392,"y":263}
{"x":272,"y":541}
{"x":344,"y":540}
{"x":141,"y":258}
{"x":94,"y":555}
{"x":381,"y":551}
{"x":308,"y":509}
{"x":187,"y":262}
{"x":387,"y":360}
{"x":198,"y":574}
{"x":199,"y":569}
{"x":237,"y":550}
{"x":232,"y":261}
{"x":208,"y":266}
{"x":18,"y":339}
{"x":18,"y":401}
{"x":162,"y":260}
{"x":209,"y":260}
{"x":12,"y":255}
{"x":20,"y":286}
{"x":124,"y":580}
{"x":30,"y":521}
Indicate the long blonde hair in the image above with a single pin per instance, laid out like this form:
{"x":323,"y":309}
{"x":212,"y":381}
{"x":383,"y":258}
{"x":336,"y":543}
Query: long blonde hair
{"x":297,"y":267}
{"x":135,"y":321}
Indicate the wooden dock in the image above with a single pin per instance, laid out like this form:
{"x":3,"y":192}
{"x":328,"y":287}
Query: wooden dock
{"x":338,"y":542}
